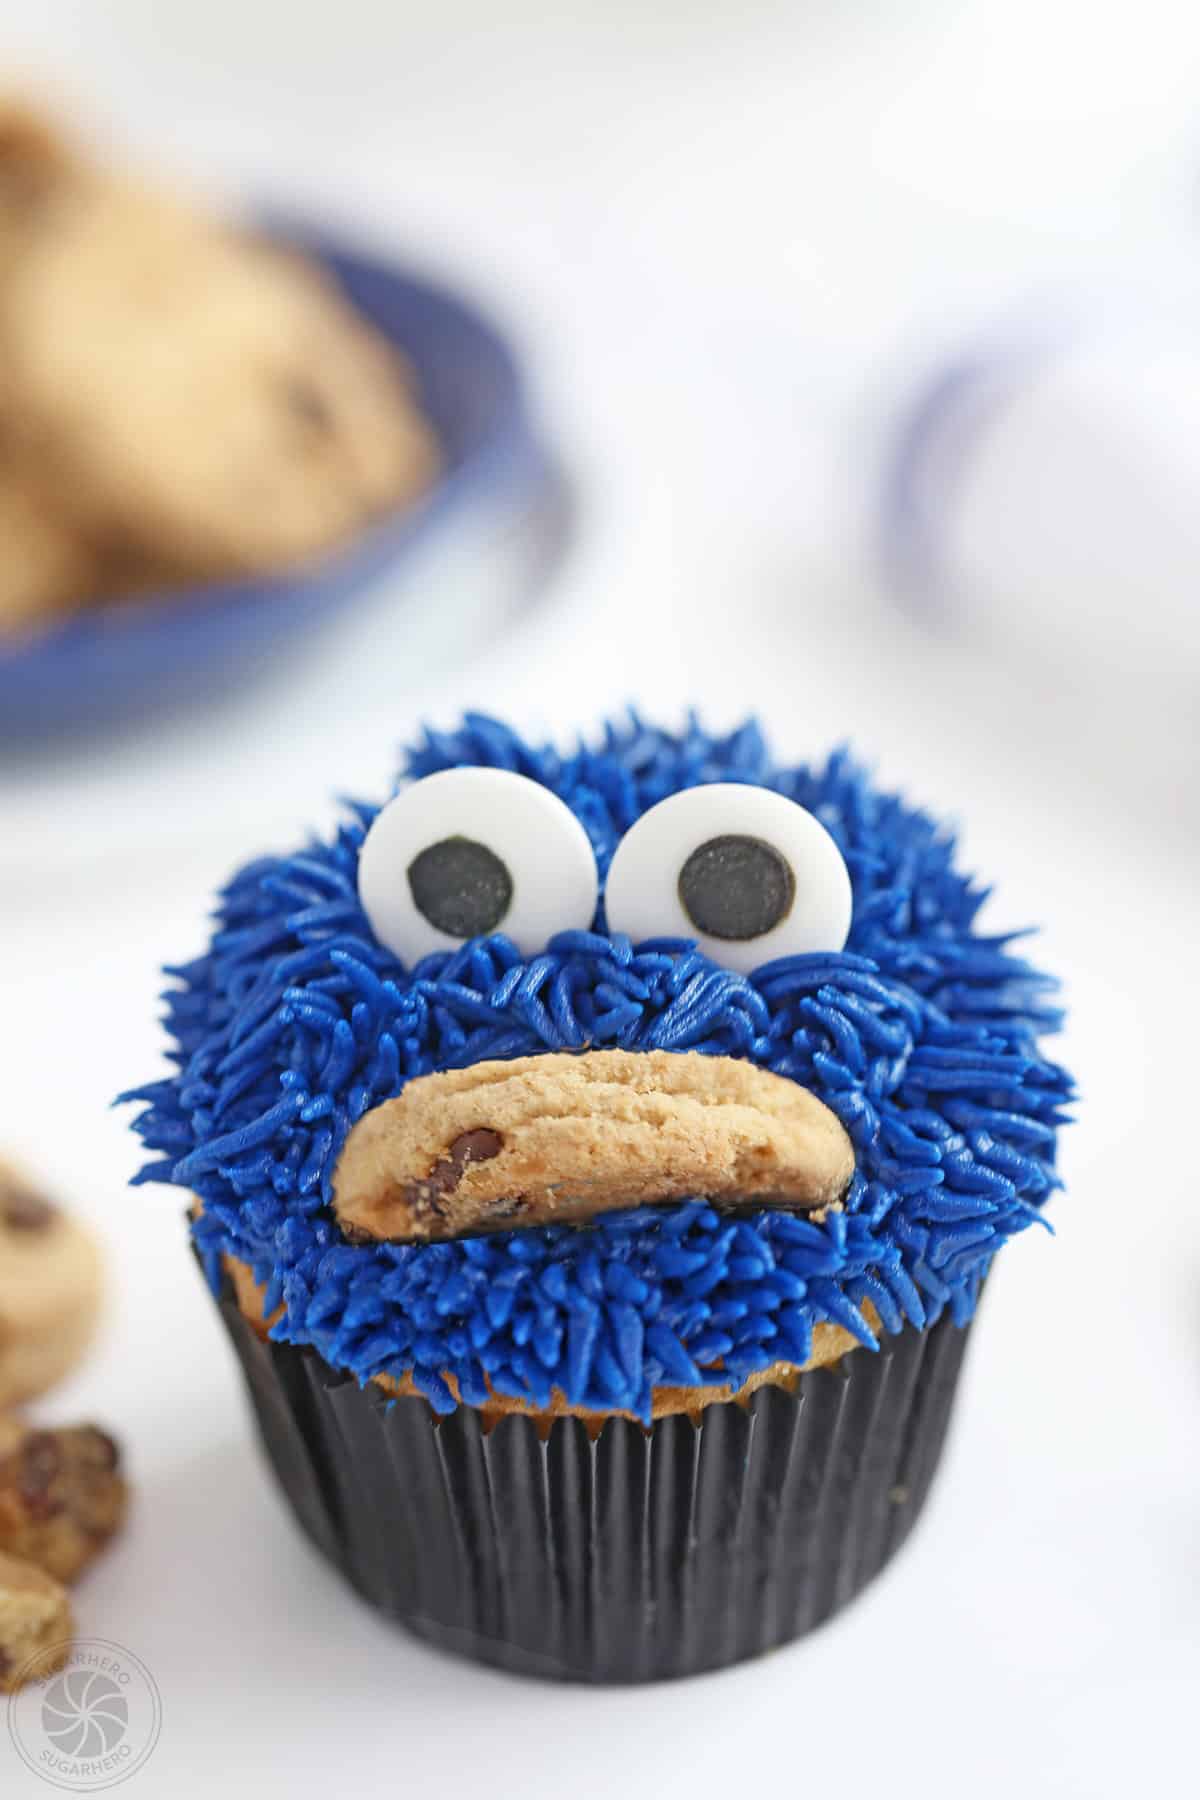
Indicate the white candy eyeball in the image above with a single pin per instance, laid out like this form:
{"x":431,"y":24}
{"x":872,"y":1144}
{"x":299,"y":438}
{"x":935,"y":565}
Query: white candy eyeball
{"x":744,"y":871}
{"x":468,"y":852}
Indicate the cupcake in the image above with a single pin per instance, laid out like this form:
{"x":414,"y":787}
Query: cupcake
{"x":596,"y":1159}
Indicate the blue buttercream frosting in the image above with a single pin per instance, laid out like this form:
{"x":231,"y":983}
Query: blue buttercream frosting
{"x":922,"y":1036}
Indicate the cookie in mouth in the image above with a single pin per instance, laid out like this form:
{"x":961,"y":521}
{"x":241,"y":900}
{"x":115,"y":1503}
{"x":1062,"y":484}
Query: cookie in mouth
{"x":555,"y":1139}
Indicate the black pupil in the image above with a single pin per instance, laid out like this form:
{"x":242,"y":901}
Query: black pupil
{"x":461,"y":887}
{"x":736,"y":887}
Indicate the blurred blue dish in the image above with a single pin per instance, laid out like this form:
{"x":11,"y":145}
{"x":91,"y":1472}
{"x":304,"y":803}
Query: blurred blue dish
{"x":125,"y":656}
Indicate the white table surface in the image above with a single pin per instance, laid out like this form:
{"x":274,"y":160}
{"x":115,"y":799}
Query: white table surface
{"x":710,"y":229}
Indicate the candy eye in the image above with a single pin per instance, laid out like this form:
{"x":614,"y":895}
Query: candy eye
{"x":468,"y":852}
{"x":745,"y":872}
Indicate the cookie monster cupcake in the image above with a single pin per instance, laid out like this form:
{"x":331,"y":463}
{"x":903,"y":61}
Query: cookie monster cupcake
{"x":597,"y":1159}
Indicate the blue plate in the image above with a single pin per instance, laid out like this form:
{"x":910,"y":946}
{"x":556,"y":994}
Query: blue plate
{"x":164,"y":649}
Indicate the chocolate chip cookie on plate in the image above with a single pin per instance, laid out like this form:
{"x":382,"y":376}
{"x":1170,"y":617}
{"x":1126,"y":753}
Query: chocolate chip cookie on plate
{"x":180,"y":400}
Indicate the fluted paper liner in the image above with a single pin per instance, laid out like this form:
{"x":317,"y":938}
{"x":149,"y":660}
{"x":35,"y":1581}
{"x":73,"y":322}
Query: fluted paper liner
{"x":635,"y":1555}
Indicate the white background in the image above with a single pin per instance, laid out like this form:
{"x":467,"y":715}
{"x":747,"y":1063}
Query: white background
{"x":716,"y":231}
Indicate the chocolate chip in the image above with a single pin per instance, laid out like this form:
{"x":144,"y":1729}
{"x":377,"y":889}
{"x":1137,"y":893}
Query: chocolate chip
{"x":23,"y":1210}
{"x":461,"y":887}
{"x":101,"y":1451}
{"x":479,"y":1145}
{"x":469,"y":1147}
{"x":41,"y":1464}
{"x":309,"y":405}
{"x":736,"y":888}
{"x":5,"y":1664}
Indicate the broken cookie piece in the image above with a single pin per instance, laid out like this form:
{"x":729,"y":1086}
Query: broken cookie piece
{"x":35,"y":1624}
{"x":62,"y":1496}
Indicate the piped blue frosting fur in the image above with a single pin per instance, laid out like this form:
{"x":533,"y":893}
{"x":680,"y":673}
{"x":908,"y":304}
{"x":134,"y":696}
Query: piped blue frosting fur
{"x":922,"y":1036}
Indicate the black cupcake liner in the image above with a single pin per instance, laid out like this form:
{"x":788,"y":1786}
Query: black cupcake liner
{"x":637,"y":1554}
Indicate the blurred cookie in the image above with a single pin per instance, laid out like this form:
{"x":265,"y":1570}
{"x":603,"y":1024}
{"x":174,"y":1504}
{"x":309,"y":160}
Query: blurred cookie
{"x":179,"y":401}
{"x":62,"y":1495}
{"x":35,"y":1624}
{"x":49,"y":1289}
{"x":208,"y":397}
{"x":46,"y":569}
{"x":35,"y":164}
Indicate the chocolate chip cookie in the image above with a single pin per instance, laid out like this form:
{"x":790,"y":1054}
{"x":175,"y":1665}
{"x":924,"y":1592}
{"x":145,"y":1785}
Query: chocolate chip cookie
{"x":35,"y":1624}
{"x":45,"y":569}
{"x":62,"y":1495}
{"x":549,"y":1138}
{"x":204,"y":394}
{"x":49,"y":1289}
{"x":180,"y":401}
